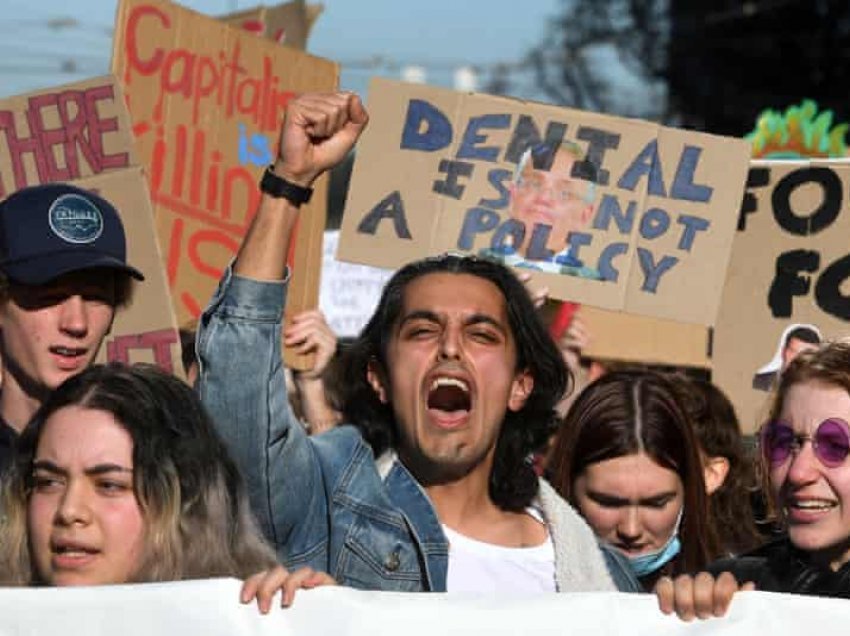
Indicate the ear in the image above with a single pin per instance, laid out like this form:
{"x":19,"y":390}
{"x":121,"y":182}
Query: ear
{"x":714,"y":471}
{"x":587,"y":214}
{"x":374,"y":378}
{"x":520,"y":390}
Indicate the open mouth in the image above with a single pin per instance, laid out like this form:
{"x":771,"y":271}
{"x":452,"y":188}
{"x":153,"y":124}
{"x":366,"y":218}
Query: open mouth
{"x":449,"y":397}
{"x":810,"y":505}
{"x":72,"y":550}
{"x":68,"y":352}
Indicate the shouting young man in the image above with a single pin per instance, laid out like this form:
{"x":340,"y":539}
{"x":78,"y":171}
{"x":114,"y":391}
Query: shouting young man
{"x":449,"y":388}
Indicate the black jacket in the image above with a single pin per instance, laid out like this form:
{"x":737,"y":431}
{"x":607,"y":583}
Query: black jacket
{"x":780,"y":567}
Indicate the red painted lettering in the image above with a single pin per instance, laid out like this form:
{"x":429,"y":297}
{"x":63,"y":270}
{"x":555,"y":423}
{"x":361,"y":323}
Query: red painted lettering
{"x":159,"y":342}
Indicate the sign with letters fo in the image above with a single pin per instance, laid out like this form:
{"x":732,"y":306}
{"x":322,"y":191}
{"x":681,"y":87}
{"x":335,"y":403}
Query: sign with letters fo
{"x":790,"y":265}
{"x":80,"y":133}
{"x":615,"y":213}
{"x":207,"y":101}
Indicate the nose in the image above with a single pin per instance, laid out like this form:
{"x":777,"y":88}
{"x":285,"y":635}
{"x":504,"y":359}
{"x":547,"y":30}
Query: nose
{"x":630,"y":528}
{"x":545,"y":194}
{"x":804,"y":467}
{"x":73,"y":507}
{"x":450,"y":345}
{"x":74,"y":317}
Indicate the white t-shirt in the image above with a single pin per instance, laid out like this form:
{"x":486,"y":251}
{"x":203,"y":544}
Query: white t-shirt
{"x":483,"y":568}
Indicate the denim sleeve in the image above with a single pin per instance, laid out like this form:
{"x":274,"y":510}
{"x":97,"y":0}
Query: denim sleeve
{"x":241,"y":383}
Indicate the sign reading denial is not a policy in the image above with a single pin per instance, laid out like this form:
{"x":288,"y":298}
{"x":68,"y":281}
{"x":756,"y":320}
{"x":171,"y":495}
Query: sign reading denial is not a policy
{"x":790,"y":265}
{"x":207,"y":101}
{"x":617,"y":213}
{"x":81,"y":133}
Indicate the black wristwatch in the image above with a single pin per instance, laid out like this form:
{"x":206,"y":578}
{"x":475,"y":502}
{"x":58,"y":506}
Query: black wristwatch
{"x":279,"y":188}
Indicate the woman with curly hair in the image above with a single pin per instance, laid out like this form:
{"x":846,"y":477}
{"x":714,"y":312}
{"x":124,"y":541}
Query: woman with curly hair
{"x":805,"y":451}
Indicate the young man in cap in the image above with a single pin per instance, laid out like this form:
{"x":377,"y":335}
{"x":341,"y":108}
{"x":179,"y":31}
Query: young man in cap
{"x":450,"y":386}
{"x":63,"y":273}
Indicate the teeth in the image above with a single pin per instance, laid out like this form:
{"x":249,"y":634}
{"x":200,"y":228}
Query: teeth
{"x":438,"y":382}
{"x":71,"y":551}
{"x":65,"y":351}
{"x":813,"y":505}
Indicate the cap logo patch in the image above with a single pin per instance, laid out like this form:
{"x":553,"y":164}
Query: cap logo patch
{"x":75,"y":219}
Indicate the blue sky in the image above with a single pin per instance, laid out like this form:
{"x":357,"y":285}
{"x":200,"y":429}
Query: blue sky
{"x":438,"y":34}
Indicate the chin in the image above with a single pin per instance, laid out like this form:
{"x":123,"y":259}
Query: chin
{"x":815,"y":540}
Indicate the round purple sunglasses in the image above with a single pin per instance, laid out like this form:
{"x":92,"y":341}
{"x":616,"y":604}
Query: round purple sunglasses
{"x":830,"y":443}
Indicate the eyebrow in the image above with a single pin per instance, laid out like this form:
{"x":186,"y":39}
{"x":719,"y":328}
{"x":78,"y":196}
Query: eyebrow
{"x":474,"y":319}
{"x":97,"y":469}
{"x":605,"y":498}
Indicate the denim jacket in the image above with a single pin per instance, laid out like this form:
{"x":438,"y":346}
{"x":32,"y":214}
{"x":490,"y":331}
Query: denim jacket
{"x":320,"y":500}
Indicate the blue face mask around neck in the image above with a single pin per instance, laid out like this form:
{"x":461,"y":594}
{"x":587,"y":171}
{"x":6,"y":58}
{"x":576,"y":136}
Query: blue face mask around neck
{"x":644,"y":564}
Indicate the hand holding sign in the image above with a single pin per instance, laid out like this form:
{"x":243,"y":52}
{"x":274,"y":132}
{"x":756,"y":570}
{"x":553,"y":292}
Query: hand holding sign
{"x":318,"y":131}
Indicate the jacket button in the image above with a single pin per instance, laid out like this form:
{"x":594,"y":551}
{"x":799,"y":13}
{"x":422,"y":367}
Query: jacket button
{"x":392,"y":561}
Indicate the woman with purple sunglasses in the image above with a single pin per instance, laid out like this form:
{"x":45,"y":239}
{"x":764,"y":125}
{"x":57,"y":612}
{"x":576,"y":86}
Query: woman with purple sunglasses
{"x":805,"y":446}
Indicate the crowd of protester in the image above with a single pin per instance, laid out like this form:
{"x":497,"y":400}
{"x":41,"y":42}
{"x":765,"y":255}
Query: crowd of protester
{"x":402,"y":461}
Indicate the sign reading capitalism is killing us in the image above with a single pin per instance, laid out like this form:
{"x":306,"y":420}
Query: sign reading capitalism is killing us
{"x":207,"y":101}
{"x":616,"y":213}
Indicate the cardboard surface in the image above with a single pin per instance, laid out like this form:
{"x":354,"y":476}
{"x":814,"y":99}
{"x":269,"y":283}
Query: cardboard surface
{"x":146,"y":331}
{"x":207,"y":101}
{"x":632,"y":338}
{"x":289,"y":23}
{"x":790,"y":262}
{"x":81,"y":133}
{"x":63,"y":133}
{"x":435,"y":172}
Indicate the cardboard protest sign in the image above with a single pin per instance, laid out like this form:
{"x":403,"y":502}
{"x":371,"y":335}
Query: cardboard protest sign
{"x":80,"y":133}
{"x":610,"y":212}
{"x":63,"y":133}
{"x":146,"y":331}
{"x":789,"y":266}
{"x":207,"y":101}
{"x":633,"y":338}
{"x":349,"y":293}
{"x":289,"y":23}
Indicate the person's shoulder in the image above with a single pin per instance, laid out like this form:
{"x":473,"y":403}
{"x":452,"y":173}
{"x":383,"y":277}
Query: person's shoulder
{"x":755,"y":564}
{"x":342,"y":450}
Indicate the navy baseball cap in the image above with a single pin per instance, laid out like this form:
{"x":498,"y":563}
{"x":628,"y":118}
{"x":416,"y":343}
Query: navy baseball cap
{"x":53,"y":229}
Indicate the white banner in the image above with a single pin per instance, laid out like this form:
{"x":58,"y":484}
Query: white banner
{"x":212,"y":608}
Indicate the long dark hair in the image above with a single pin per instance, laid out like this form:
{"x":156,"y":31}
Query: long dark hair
{"x":513,"y":483}
{"x":719,"y":434}
{"x":628,"y":412}
{"x":197,"y":517}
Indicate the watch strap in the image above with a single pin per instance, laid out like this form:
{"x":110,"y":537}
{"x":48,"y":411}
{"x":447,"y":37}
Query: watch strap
{"x":276,"y":186}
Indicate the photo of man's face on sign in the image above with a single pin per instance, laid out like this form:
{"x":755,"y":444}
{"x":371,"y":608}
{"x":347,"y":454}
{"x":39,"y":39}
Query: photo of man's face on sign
{"x":552,"y":195}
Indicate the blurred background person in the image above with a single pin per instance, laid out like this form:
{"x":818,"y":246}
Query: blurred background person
{"x":795,"y":339}
{"x":728,"y":470}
